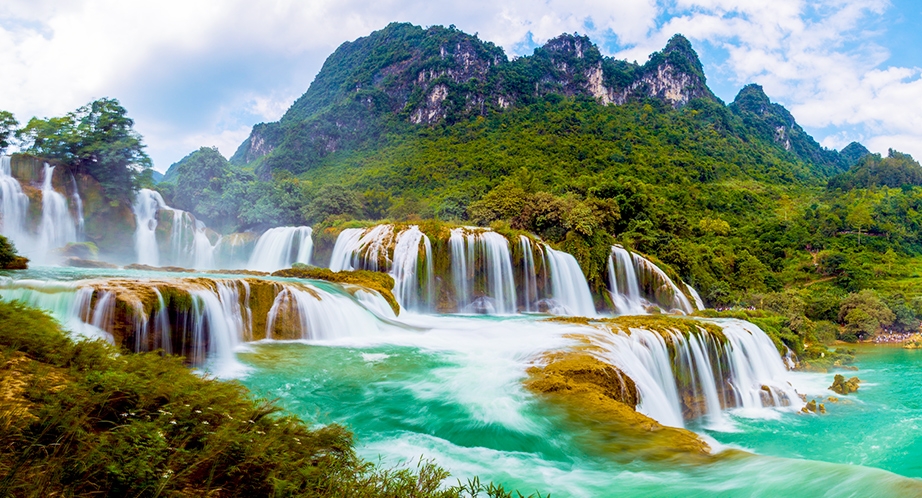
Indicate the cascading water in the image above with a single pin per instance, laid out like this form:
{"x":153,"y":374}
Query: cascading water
{"x":635,"y":283}
{"x":78,"y":203}
{"x":316,"y":314}
{"x":529,"y":275}
{"x":14,"y":205}
{"x":189,"y":244}
{"x":281,"y":247}
{"x":459,"y":272}
{"x":568,"y":284}
{"x":363,"y":249}
{"x":147,"y":204}
{"x":714,"y":376}
{"x":622,"y":281}
{"x":699,"y":303}
{"x":483,"y":253}
{"x":408,"y":290}
{"x":57,"y":227}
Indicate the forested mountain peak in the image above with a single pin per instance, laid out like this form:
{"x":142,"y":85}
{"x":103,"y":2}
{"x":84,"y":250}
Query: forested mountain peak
{"x":774,"y":122}
{"x":411,"y":75}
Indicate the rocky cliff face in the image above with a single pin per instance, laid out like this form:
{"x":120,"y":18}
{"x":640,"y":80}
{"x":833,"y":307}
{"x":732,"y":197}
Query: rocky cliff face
{"x":406,"y":74}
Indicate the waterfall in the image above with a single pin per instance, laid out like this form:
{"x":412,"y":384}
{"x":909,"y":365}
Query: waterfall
{"x":14,"y":206}
{"x":189,"y":244}
{"x":662,"y":289}
{"x":635,"y":283}
{"x":622,"y":281}
{"x":281,"y":247}
{"x":744,"y":373}
{"x":529,"y":275}
{"x":314,"y":314}
{"x":459,"y":268}
{"x":162,"y":337}
{"x":406,"y":272}
{"x":146,"y":205}
{"x":57,"y":227}
{"x":219,"y":314}
{"x":568,"y":284}
{"x":483,"y":253}
{"x":363,"y":249}
{"x":699,"y":303}
{"x":202,"y":248}
{"x":78,"y":202}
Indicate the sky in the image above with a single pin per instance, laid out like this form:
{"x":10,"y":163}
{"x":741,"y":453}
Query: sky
{"x":195,"y":73}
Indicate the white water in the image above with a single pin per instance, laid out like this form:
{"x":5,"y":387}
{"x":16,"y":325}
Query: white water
{"x":146,"y":205}
{"x":363,"y":249}
{"x":623,"y":283}
{"x":281,"y":247}
{"x":568,"y":284}
{"x":699,"y":303}
{"x":483,"y":253}
{"x":14,"y":205}
{"x":321,"y":315}
{"x":529,"y":275}
{"x":57,"y":227}
{"x":636,"y":283}
{"x":78,"y":203}
{"x":189,"y":245}
{"x":406,"y":272}
{"x":748,"y":361}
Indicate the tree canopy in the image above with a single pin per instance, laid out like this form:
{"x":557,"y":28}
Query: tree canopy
{"x":98,"y":139}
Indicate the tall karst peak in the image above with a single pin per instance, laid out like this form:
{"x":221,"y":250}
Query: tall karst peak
{"x":752,"y":98}
{"x":774,"y":122}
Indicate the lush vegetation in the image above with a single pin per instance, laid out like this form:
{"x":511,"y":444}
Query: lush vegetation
{"x":78,"y":419}
{"x":97,"y":139}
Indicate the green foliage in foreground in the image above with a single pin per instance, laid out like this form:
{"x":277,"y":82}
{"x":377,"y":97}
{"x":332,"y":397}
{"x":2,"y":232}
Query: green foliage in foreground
{"x":80,"y":419}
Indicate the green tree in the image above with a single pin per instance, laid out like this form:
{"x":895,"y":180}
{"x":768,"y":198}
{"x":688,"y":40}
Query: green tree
{"x":334,"y":200}
{"x":8,"y":126}
{"x":863,"y":313}
{"x":98,"y":139}
{"x":859,"y":218}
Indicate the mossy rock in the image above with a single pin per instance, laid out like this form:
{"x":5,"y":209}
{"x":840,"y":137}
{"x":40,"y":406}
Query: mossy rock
{"x":380,"y":282}
{"x":844,"y":387}
{"x":602,"y":399}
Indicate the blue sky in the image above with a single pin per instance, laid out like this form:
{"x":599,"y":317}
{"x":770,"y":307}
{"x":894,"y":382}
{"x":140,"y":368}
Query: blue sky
{"x":202,"y":72}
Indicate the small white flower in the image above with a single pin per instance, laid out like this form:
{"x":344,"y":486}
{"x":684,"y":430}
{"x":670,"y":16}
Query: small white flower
{"x":173,"y":422}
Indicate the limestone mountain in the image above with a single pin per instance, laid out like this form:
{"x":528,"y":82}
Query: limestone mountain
{"x":404,"y":75}
{"x":771,"y":121}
